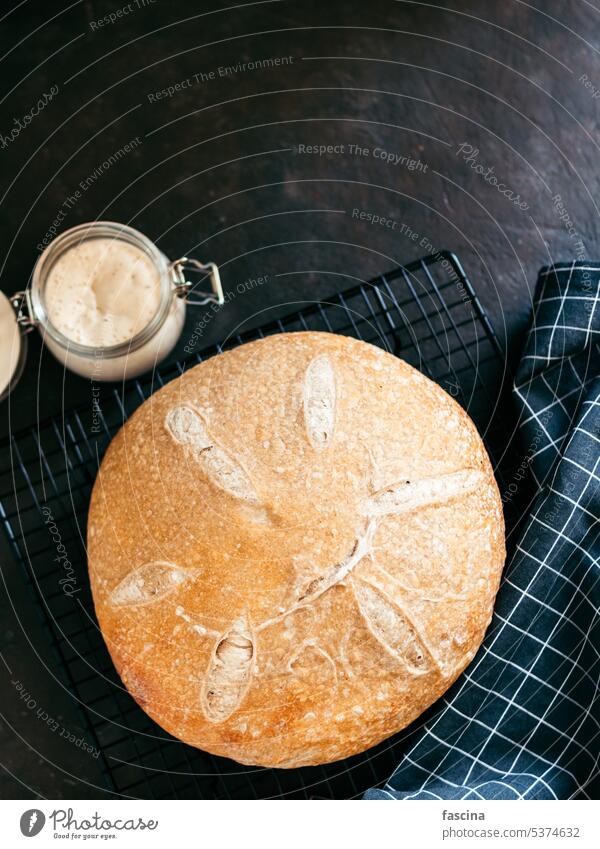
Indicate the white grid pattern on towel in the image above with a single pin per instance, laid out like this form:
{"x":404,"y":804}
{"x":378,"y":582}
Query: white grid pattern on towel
{"x":535,"y":732}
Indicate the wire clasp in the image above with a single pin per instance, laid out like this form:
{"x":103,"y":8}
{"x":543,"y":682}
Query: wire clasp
{"x":21,"y":303}
{"x":184,"y":288}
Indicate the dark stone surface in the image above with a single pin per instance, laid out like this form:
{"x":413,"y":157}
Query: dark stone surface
{"x":217,"y":172}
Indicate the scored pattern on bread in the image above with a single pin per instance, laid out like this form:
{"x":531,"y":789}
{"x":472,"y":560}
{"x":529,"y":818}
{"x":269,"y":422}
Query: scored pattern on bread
{"x":390,"y":626}
{"x":229,"y":673}
{"x":303,"y":652}
{"x":187,"y":427}
{"x":405,"y":496}
{"x":319,"y":402}
{"x":435,"y":597}
{"x":340,"y":546}
{"x":148,"y":583}
{"x":336,"y":574}
{"x":361,"y":548}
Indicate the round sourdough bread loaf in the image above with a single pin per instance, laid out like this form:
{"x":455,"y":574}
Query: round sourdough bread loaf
{"x":294,"y":549}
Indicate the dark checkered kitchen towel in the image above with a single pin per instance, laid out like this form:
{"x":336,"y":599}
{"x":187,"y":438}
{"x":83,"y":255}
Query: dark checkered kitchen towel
{"x":523,"y":721}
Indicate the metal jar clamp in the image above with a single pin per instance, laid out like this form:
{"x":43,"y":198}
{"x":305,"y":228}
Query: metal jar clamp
{"x":184,"y":288}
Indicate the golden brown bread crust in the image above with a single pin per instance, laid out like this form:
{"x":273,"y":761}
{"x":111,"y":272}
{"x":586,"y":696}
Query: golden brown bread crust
{"x":294,"y":549}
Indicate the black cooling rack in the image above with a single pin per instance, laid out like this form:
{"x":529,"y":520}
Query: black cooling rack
{"x":425,"y":312}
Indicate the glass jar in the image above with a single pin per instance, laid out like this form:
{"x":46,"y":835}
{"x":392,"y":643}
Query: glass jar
{"x":13,"y":349}
{"x":144,"y":350}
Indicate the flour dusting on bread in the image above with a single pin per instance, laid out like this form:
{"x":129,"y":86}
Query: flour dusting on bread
{"x":319,"y":402}
{"x":408,"y":495}
{"x":229,"y":673}
{"x":148,"y":583}
{"x":390,"y":626}
{"x":188,"y":428}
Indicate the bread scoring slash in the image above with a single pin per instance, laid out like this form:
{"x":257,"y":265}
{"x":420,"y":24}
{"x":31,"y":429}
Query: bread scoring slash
{"x":294,"y":549}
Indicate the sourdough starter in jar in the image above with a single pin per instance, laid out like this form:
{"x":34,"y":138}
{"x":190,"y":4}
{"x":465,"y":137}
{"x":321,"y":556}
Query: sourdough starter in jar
{"x":101,"y":293}
{"x":10,"y":345}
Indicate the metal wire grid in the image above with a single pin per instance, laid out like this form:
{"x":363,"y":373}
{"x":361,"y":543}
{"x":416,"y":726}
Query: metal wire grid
{"x":425,"y":312}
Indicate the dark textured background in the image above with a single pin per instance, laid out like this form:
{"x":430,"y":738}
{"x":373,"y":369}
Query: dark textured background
{"x":217,"y":174}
